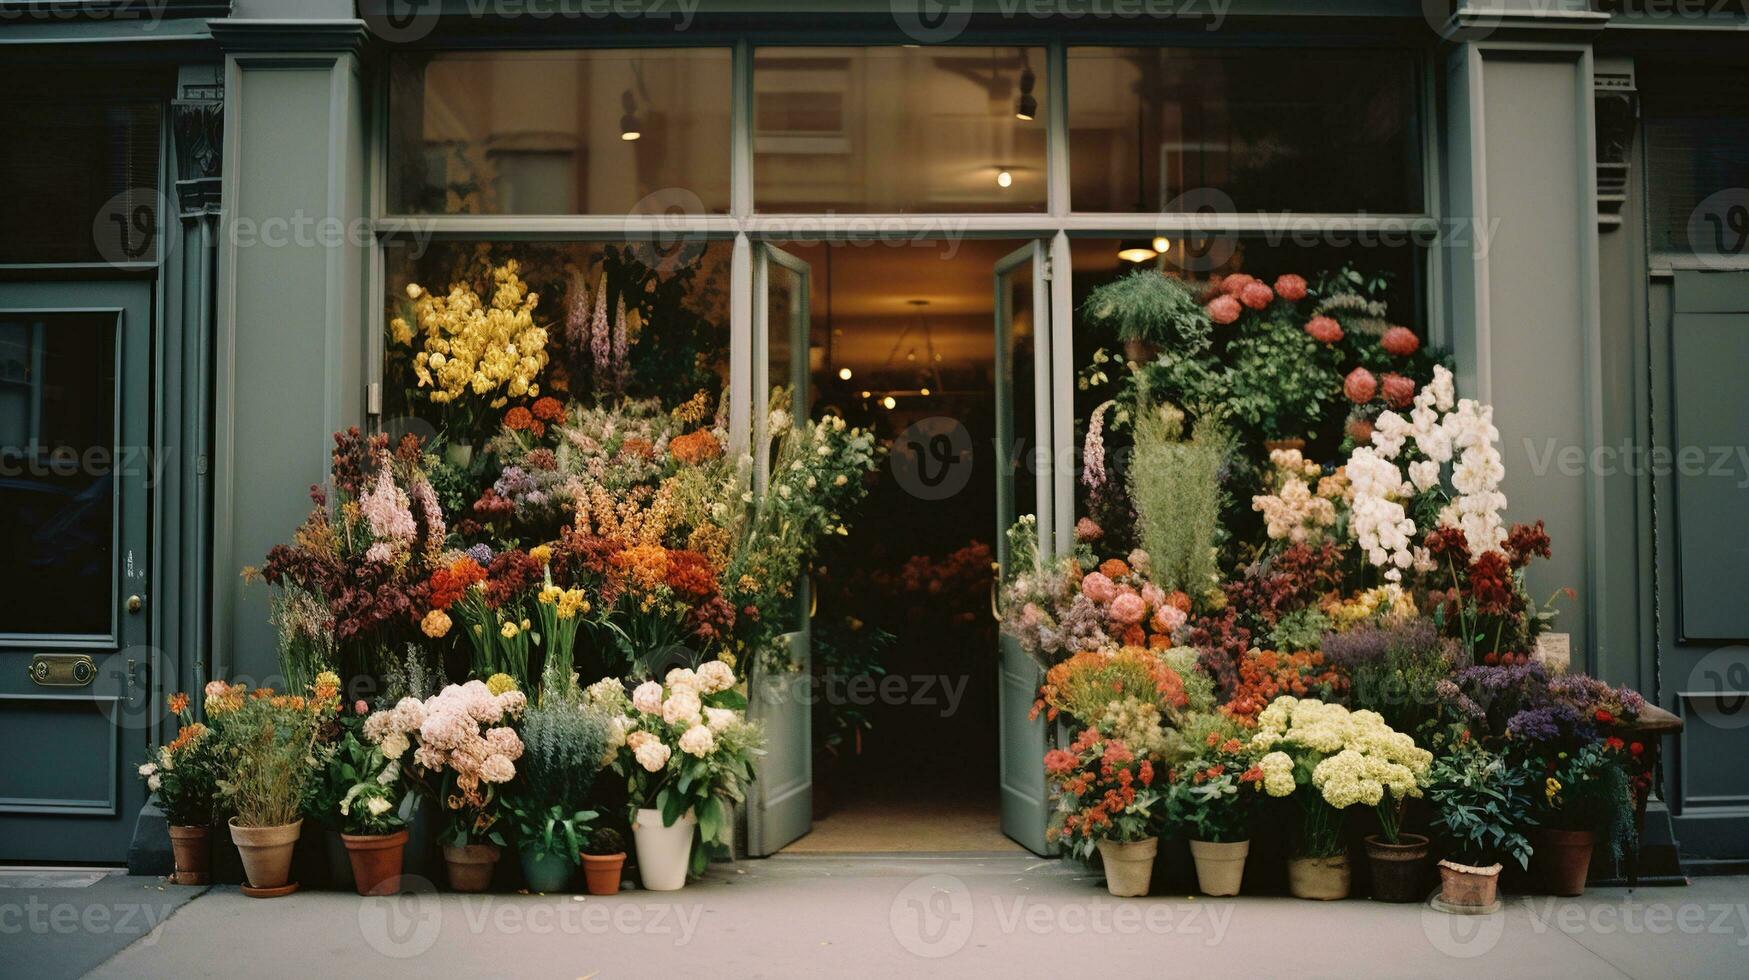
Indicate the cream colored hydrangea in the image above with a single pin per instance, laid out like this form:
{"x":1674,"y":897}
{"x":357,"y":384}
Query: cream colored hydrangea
{"x":1356,"y":758}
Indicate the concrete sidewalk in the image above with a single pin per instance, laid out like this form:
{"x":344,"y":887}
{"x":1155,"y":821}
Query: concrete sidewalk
{"x":888,"y":916}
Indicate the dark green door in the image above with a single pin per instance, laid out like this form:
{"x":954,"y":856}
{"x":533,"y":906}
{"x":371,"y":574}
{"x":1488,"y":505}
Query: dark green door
{"x":76,"y":702}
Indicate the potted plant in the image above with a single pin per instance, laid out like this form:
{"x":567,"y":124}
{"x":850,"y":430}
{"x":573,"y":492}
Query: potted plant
{"x":1106,"y":801}
{"x":266,"y":745}
{"x":359,"y":793}
{"x":464,"y":750}
{"x":1480,"y":808}
{"x":184,"y":778}
{"x":1586,"y":797}
{"x":1149,"y":310}
{"x":1398,"y":860}
{"x":1213,"y":798}
{"x":604,"y":858}
{"x":688,"y":755}
{"x":1327,"y":759}
{"x":564,"y":745}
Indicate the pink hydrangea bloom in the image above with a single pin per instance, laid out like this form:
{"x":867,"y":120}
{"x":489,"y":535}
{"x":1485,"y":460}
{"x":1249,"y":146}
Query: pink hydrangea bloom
{"x":1223,"y":309}
{"x":1128,"y":609}
{"x":1291,"y":287}
{"x":1098,"y":588}
{"x":1324,"y":330}
{"x":1399,"y":390}
{"x":1400,"y":342}
{"x":1235,"y":284}
{"x":1086,"y":530}
{"x":1360,"y":386}
{"x":1256,"y":295}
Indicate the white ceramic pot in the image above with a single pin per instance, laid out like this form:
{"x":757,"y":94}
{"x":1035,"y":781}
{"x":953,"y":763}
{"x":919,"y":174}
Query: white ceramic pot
{"x":663,"y":851}
{"x":1129,"y":867}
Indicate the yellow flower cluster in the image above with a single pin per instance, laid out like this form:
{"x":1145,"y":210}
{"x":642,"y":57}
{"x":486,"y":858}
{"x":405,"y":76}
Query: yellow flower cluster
{"x":570,"y":602}
{"x":500,"y":684}
{"x":1355,"y":757}
{"x":1378,"y":603}
{"x":467,"y":347}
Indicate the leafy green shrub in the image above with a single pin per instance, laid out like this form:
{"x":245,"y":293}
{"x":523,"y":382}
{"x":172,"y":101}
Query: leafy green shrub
{"x":1176,"y":487}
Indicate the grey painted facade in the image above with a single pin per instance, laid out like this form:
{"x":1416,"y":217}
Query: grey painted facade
{"x":1547,"y":287}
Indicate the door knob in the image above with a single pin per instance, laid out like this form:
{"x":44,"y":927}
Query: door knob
{"x":135,"y":604}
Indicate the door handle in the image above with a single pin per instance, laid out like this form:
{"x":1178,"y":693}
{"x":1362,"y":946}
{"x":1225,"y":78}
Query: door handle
{"x":995,"y":581}
{"x":135,"y":604}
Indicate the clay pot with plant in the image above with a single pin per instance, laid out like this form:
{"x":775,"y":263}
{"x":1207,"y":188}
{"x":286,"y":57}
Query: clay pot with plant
{"x":1587,"y":798}
{"x":1397,"y":860}
{"x":266,"y":744}
{"x":1480,"y":808}
{"x":1213,"y":798}
{"x":184,"y":777}
{"x":604,"y":860}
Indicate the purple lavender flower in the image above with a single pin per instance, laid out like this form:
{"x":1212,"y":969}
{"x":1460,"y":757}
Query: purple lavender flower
{"x":480,"y":554}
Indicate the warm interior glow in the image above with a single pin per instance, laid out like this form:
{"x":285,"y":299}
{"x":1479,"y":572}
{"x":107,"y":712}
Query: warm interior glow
{"x":1162,"y":244}
{"x":1004,"y":179}
{"x":890,"y":402}
{"x":844,"y":374}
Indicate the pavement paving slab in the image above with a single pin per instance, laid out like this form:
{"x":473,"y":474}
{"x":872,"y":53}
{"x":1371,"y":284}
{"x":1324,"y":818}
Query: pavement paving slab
{"x":897,"y":915}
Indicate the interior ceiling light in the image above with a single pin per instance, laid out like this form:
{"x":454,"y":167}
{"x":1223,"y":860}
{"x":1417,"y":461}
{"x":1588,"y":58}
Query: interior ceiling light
{"x":924,"y":392}
{"x":890,"y":403}
{"x":1136,"y":250}
{"x":867,"y":394}
{"x":1004,"y":179}
{"x":844,"y":374}
{"x":629,"y":126}
{"x":1162,"y":244}
{"x":1025,"y":106}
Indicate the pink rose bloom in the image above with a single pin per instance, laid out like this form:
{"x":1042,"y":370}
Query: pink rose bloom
{"x":1098,"y":588}
{"x":1400,"y":342}
{"x":1235,"y":284}
{"x":1256,"y":295}
{"x":1360,"y":386}
{"x":1167,"y":618}
{"x":1086,"y":530}
{"x":1324,"y":330}
{"x":1399,"y":391}
{"x":1153,"y":595}
{"x":1128,"y":609}
{"x":360,"y":707}
{"x":1223,"y":309}
{"x":1291,"y":287}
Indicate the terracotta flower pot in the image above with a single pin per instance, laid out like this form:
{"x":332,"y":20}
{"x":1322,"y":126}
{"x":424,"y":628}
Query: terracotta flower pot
{"x":1292,"y":442}
{"x":601,"y":872}
{"x":1465,"y":887}
{"x":376,"y":860}
{"x":470,"y":867}
{"x":1323,"y":879}
{"x":663,"y":852}
{"x":1561,"y":859}
{"x":1220,"y":867}
{"x":193,"y":849}
{"x":1129,"y":866}
{"x":1399,"y":871}
{"x":545,"y":872}
{"x":266,"y":852}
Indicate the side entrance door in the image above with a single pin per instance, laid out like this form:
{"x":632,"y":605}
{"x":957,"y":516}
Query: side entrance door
{"x":1023,"y":486}
{"x":76,"y":702}
{"x":781,"y":804}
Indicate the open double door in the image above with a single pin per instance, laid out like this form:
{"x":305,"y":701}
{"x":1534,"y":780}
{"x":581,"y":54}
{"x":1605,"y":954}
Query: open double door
{"x":780,"y":807}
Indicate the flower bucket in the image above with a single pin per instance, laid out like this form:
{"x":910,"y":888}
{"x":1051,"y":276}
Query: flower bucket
{"x":266,"y":853}
{"x":470,"y":867}
{"x":663,"y":852}
{"x":1128,"y":866}
{"x":459,"y":455}
{"x":193,"y":849}
{"x":1464,"y":888}
{"x":1561,"y":859}
{"x":1399,"y":871}
{"x":1323,"y":879}
{"x":1220,"y":867}
{"x":601,"y":872}
{"x":545,"y":872}
{"x":375,"y":860}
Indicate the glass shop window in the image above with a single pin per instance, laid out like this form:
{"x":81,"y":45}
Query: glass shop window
{"x":81,"y":177}
{"x":559,"y":132}
{"x":1697,"y":125}
{"x":1186,"y":130}
{"x":899,"y":129}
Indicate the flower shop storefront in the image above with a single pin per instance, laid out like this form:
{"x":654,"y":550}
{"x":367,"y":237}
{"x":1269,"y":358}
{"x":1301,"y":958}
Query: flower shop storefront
{"x":1034,"y":434}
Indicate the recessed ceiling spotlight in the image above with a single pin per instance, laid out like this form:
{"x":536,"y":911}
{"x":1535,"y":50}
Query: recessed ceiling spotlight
{"x":844,"y":374}
{"x":890,"y":402}
{"x":1004,"y":179}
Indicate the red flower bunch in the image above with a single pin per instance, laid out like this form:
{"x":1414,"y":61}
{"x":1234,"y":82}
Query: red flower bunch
{"x":1324,"y":330}
{"x":1265,"y":675}
{"x":1105,"y":792}
{"x":1291,"y":287}
{"x":448,"y":585}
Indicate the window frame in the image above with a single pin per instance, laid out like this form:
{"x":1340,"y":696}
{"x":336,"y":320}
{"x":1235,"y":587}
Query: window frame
{"x":1053,"y":227}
